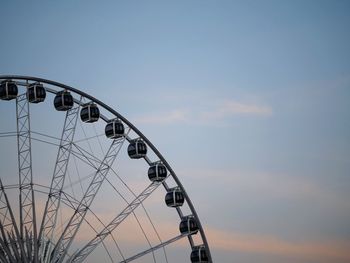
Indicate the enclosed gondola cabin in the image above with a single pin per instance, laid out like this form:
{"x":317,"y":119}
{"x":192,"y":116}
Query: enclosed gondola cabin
{"x":63,"y":101}
{"x":157,"y":172}
{"x":8,"y":90}
{"x":188,"y":225}
{"x":114,"y":129}
{"x":174,"y":197}
{"x":90,"y":113}
{"x":199,"y":254}
{"x":36,"y":93}
{"x":137,"y":149}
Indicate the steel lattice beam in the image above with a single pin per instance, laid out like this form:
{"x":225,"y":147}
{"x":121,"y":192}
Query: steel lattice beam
{"x":7,"y":220}
{"x":88,"y":248}
{"x":26,"y":196}
{"x":8,"y":226}
{"x":54,"y":198}
{"x":75,"y":221}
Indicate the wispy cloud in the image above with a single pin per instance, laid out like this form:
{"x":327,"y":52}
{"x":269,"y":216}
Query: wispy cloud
{"x":277,"y":185}
{"x":230,"y":108}
{"x":206,"y":114}
{"x":323,"y":251}
{"x":231,"y":241}
{"x":174,"y":116}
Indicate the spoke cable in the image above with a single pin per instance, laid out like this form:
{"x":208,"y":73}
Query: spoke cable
{"x":144,"y":208}
{"x":133,"y":212}
{"x":78,"y":173}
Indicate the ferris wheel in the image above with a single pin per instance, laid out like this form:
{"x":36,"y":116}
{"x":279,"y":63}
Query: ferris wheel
{"x":80,"y":183}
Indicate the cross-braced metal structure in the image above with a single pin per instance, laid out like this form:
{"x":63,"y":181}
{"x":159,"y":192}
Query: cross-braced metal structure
{"x":74,"y":223}
{"x":98,"y":239}
{"x":54,"y":198}
{"x":11,"y":248}
{"x":28,"y":230}
{"x":84,"y":197}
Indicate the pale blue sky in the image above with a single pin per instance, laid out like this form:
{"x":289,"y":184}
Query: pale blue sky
{"x":247,"y":100}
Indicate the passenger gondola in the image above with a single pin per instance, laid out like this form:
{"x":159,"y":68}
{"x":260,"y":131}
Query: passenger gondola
{"x":63,"y":101}
{"x":90,"y":113}
{"x":199,"y":254}
{"x":157,"y":172}
{"x":188,"y":225}
{"x":137,"y":149}
{"x":174,"y":197}
{"x":114,"y":129}
{"x":36,"y":93}
{"x":8,"y":90}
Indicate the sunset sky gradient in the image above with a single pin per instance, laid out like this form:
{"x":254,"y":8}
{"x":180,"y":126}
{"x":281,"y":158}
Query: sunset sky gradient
{"x":249,"y":101}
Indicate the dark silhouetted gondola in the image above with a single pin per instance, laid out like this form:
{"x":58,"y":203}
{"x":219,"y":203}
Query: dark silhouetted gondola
{"x":114,"y":129}
{"x":137,"y":149}
{"x":36,"y":93}
{"x":174,"y":197}
{"x":63,"y":101}
{"x":157,"y":172}
{"x":90,"y":113}
{"x":199,"y":254}
{"x":188,"y":225}
{"x":8,"y":90}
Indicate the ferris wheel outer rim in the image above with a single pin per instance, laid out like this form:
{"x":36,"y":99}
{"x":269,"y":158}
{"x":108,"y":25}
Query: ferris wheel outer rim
{"x":136,"y":130}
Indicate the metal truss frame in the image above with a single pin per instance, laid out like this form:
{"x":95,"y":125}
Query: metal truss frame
{"x":27,"y":204}
{"x":54,"y":198}
{"x":75,"y":221}
{"x":9,"y":230}
{"x":93,"y":243}
{"x":26,"y":196}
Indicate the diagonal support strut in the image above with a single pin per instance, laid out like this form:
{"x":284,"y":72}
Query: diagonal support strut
{"x":54,"y":198}
{"x":93,"y":243}
{"x":75,"y":221}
